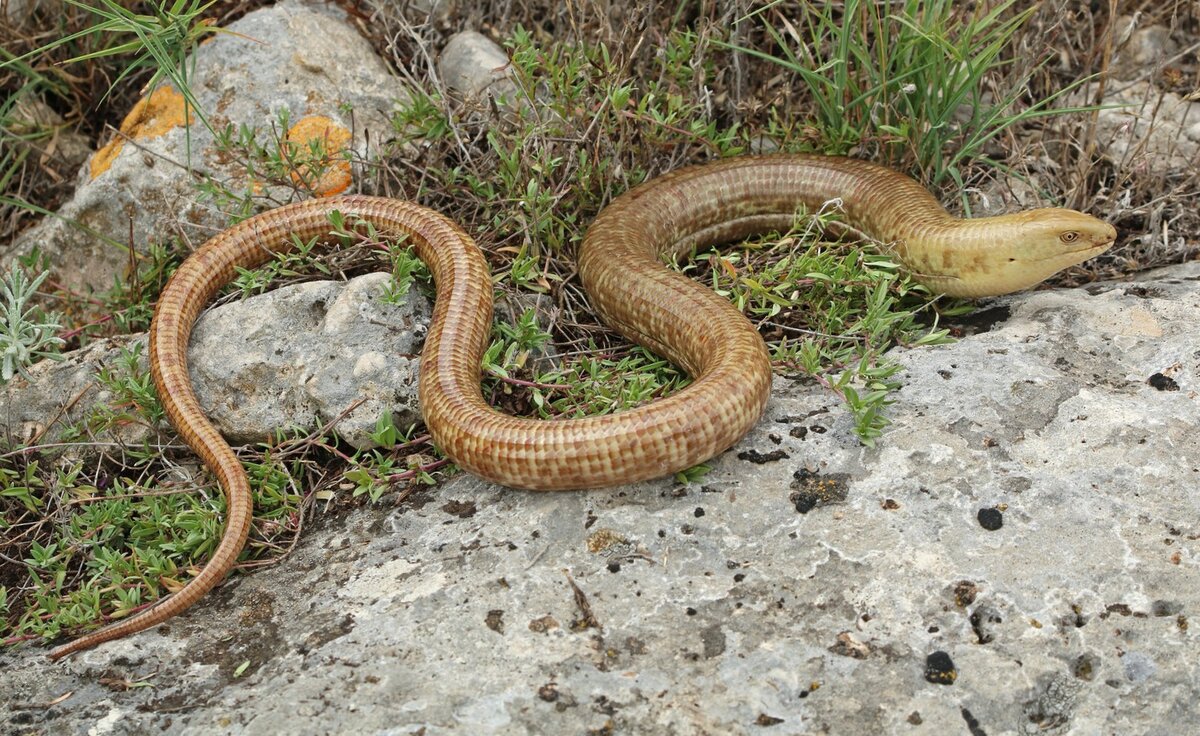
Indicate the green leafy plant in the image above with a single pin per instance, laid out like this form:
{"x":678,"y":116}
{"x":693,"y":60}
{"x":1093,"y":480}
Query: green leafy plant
{"x":27,"y":333}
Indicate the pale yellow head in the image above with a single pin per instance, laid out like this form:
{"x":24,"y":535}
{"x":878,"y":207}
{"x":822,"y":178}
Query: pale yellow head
{"x":999,"y":255}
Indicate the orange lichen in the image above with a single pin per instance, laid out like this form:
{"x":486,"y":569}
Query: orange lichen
{"x":151,"y":117}
{"x":316,"y":148}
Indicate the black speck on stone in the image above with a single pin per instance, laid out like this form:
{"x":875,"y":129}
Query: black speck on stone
{"x":939,"y":669}
{"x":698,"y":512}
{"x":691,"y":611}
{"x":1163,"y":383}
{"x":806,"y":502}
{"x":972,"y":723}
{"x":614,"y":567}
{"x":990,"y":519}
{"x":760,"y":458}
{"x":766,"y":720}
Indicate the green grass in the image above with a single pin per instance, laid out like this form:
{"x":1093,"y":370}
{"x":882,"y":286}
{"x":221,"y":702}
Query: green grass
{"x":928,"y":85}
{"x":526,"y":185}
{"x":160,"y":40}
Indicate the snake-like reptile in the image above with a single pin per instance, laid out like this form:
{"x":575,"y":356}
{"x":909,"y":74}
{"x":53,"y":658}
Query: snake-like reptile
{"x":621,"y":268}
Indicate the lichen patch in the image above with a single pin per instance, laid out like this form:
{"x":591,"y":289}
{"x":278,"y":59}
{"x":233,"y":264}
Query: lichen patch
{"x":316,"y":147}
{"x":152,"y":116}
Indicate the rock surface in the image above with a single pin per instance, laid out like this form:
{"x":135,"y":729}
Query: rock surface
{"x":309,"y":355}
{"x":302,"y":59}
{"x":1019,"y":555}
{"x":298,"y":357}
{"x":475,"y":67}
{"x":1149,"y":130}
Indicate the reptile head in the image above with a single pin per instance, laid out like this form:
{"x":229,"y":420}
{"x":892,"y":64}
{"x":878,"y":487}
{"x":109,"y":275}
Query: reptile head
{"x":1020,"y":250}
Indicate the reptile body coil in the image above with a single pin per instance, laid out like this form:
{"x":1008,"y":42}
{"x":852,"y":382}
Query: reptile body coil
{"x":621,"y":268}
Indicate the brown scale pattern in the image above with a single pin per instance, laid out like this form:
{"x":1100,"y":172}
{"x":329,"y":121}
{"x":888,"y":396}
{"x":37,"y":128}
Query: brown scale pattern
{"x":621,"y":269}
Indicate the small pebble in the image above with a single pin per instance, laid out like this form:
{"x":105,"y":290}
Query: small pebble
{"x":991,"y":519}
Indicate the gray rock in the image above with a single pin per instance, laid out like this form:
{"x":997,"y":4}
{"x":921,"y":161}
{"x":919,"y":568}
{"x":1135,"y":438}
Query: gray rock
{"x":20,"y":12}
{"x":438,"y":10}
{"x":720,"y":607}
{"x":1150,"y":130}
{"x":44,"y":132}
{"x":477,"y":69}
{"x":303,"y":356}
{"x":298,"y":58}
{"x":299,"y":357}
{"x":65,"y":401}
{"x":1147,"y":49}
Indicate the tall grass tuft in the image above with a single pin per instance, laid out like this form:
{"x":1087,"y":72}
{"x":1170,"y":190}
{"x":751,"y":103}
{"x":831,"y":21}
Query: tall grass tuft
{"x":919,"y":81}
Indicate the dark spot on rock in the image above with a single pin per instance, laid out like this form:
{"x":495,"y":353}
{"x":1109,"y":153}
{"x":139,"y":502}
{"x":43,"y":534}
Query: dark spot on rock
{"x":1075,"y":618}
{"x":495,"y":620}
{"x":990,"y":519}
{"x":1143,"y":292}
{"x":811,"y":489}
{"x":915,"y":719}
{"x":945,"y":374}
{"x":848,"y":646}
{"x":687,"y":529}
{"x":766,"y":720}
{"x":775,"y":439}
{"x":979,"y":321}
{"x":1085,"y":667}
{"x":939,"y":669}
{"x":818,"y":429}
{"x":758,"y":458}
{"x":1165,"y":608}
{"x":983,"y":622}
{"x":322,"y":635}
{"x":22,"y":718}
{"x":713,"y":639}
{"x":972,"y":723}
{"x":461,"y":509}
{"x":1120,"y":608}
{"x":799,"y":432}
{"x":805,"y":502}
{"x":548,"y":692}
{"x":614,"y":566}
{"x":1162,"y":383}
{"x":796,"y":418}
{"x":965,"y":592}
{"x":690,"y":611}
{"x":889,"y":505}
{"x":543,"y":624}
{"x":739,"y":577}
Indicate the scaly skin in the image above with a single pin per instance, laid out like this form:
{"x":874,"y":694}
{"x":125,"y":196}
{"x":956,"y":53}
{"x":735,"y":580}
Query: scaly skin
{"x":621,"y":269}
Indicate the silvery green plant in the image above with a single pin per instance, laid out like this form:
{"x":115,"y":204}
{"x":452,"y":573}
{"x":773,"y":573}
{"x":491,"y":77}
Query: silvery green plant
{"x":27,"y":334}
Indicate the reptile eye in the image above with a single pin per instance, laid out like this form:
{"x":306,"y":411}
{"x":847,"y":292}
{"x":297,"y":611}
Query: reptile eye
{"x":1069,"y":236}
